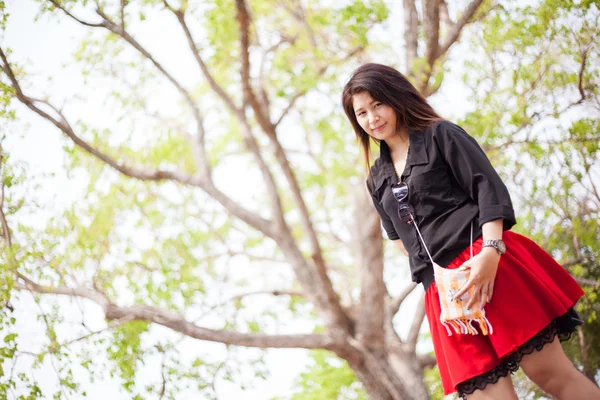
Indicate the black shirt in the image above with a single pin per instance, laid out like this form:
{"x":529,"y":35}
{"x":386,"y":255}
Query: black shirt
{"x":451,"y":183}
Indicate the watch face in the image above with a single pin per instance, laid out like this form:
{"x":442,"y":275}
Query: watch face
{"x":501,"y":247}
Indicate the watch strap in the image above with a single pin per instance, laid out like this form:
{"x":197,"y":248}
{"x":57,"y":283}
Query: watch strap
{"x":495,"y":243}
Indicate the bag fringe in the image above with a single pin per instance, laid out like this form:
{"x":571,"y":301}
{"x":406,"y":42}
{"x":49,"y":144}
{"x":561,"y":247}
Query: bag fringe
{"x":465,"y":326}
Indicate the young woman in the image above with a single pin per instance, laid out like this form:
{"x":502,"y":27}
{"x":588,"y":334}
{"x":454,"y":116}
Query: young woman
{"x":440,"y":200}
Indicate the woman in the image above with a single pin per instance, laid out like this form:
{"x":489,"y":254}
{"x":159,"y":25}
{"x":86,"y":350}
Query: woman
{"x":441,"y":201}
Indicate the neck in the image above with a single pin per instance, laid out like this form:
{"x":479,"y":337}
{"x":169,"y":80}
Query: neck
{"x":398,"y":143}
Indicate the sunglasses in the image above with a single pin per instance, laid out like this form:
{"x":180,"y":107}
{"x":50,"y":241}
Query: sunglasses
{"x":405,"y":210}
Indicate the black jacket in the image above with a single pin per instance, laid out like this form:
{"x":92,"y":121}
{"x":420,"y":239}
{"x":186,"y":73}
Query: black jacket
{"x":451,"y":183}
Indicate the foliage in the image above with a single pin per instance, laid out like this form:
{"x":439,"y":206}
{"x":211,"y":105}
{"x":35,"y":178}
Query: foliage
{"x":535,"y":89}
{"x":327,"y":377}
{"x":159,"y":243}
{"x":170,"y":245}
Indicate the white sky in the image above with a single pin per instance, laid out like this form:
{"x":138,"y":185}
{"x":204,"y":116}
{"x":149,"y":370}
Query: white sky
{"x":48,"y":47}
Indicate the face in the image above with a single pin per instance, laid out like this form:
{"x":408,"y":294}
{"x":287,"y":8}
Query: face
{"x":376,"y":118}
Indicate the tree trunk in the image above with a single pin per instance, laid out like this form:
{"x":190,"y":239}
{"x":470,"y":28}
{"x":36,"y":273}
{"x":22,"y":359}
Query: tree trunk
{"x":387,"y":367}
{"x":395,"y":376}
{"x":585,"y":362}
{"x":410,"y":371}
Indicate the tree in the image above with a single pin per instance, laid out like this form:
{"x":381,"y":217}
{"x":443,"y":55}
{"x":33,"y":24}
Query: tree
{"x":532,"y":80}
{"x":266,"y":69}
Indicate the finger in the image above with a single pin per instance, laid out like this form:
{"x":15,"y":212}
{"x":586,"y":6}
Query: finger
{"x":465,"y":287}
{"x":481,"y":294}
{"x":484,"y":295}
{"x":490,"y":291}
{"x":474,"y":297}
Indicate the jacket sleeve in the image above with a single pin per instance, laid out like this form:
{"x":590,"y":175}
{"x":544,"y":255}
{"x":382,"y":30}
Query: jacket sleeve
{"x":386,"y":221}
{"x":475,"y":174}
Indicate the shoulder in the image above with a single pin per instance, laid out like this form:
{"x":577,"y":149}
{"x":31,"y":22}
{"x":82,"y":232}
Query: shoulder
{"x":446,"y":133}
{"x":377,"y":165}
{"x":375,"y":175}
{"x":445,"y":129}
{"x":442,"y":131}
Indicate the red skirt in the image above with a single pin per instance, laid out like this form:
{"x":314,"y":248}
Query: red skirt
{"x":532,"y":292}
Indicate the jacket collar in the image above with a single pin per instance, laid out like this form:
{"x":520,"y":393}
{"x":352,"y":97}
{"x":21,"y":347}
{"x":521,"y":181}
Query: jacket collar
{"x":384,"y":167}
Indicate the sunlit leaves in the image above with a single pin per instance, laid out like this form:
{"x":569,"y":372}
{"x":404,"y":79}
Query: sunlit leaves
{"x":357,"y":18}
{"x":535,"y":109}
{"x":125,"y":351}
{"x":327,"y":378}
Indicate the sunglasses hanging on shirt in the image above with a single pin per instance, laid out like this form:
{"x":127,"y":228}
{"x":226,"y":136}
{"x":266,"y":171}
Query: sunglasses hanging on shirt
{"x":405,"y":210}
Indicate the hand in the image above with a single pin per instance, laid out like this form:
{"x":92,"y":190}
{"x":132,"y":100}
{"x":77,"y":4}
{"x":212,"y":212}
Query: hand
{"x":483,"y":268}
{"x":401,"y":247}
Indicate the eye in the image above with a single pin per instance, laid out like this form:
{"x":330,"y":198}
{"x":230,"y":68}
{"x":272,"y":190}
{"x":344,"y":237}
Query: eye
{"x":360,"y":114}
{"x":377,"y":105}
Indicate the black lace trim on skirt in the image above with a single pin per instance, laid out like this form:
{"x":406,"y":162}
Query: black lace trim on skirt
{"x":563,"y":327}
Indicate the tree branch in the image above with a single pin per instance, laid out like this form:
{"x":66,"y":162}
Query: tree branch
{"x":204,"y":68}
{"x":321,"y":290}
{"x":325,"y":299}
{"x":431,"y":26}
{"x":411,"y":33}
{"x":260,"y":113}
{"x":426,"y":361}
{"x":112,"y":324}
{"x":119,"y":30}
{"x":291,"y":104}
{"x":444,"y":16}
{"x":573,"y":262}
{"x":62,"y":124}
{"x":249,"y":139}
{"x":122,"y":14}
{"x":582,"y":281}
{"x":588,"y":282}
{"x":329,"y":302}
{"x":261,"y":224}
{"x":454,"y":33}
{"x":301,"y":93}
{"x":4,"y":223}
{"x":368,"y":244}
{"x":584,"y":54}
{"x":243,"y":295}
{"x":82,"y":22}
{"x":511,"y":142}
{"x":413,"y":334}
{"x":397,"y":301}
{"x":200,"y":154}
{"x":86,"y":293}
{"x":379,"y":367}
{"x":179,"y":324}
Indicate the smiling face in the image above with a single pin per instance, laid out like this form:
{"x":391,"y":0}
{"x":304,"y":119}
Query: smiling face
{"x":376,"y":118}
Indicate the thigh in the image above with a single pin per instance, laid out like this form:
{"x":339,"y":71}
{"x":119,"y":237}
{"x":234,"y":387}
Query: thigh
{"x":501,"y":390}
{"x":546,"y":364}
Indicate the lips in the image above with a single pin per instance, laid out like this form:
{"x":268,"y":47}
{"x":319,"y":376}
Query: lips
{"x":380,"y":128}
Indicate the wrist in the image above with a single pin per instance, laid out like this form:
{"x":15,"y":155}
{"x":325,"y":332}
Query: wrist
{"x":490,"y":252}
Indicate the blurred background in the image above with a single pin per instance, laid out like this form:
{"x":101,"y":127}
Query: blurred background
{"x":183,"y":205}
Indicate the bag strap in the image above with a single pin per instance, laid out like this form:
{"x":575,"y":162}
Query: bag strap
{"x":471,"y":239}
{"x":414,"y":221}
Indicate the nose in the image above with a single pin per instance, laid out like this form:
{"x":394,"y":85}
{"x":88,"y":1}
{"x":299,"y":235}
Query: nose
{"x":373,"y":119}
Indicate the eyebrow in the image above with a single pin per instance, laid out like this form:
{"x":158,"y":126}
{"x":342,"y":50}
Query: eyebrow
{"x":358,"y":109}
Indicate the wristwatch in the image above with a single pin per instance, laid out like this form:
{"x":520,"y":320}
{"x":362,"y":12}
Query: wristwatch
{"x":497,"y":244}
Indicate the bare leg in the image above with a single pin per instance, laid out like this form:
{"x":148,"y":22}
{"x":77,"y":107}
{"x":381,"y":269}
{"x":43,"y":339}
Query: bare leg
{"x":501,"y":390}
{"x":554,"y":373}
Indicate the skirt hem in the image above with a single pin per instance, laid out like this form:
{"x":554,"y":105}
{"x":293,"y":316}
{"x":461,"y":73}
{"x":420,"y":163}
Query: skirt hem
{"x":562,"y":327}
